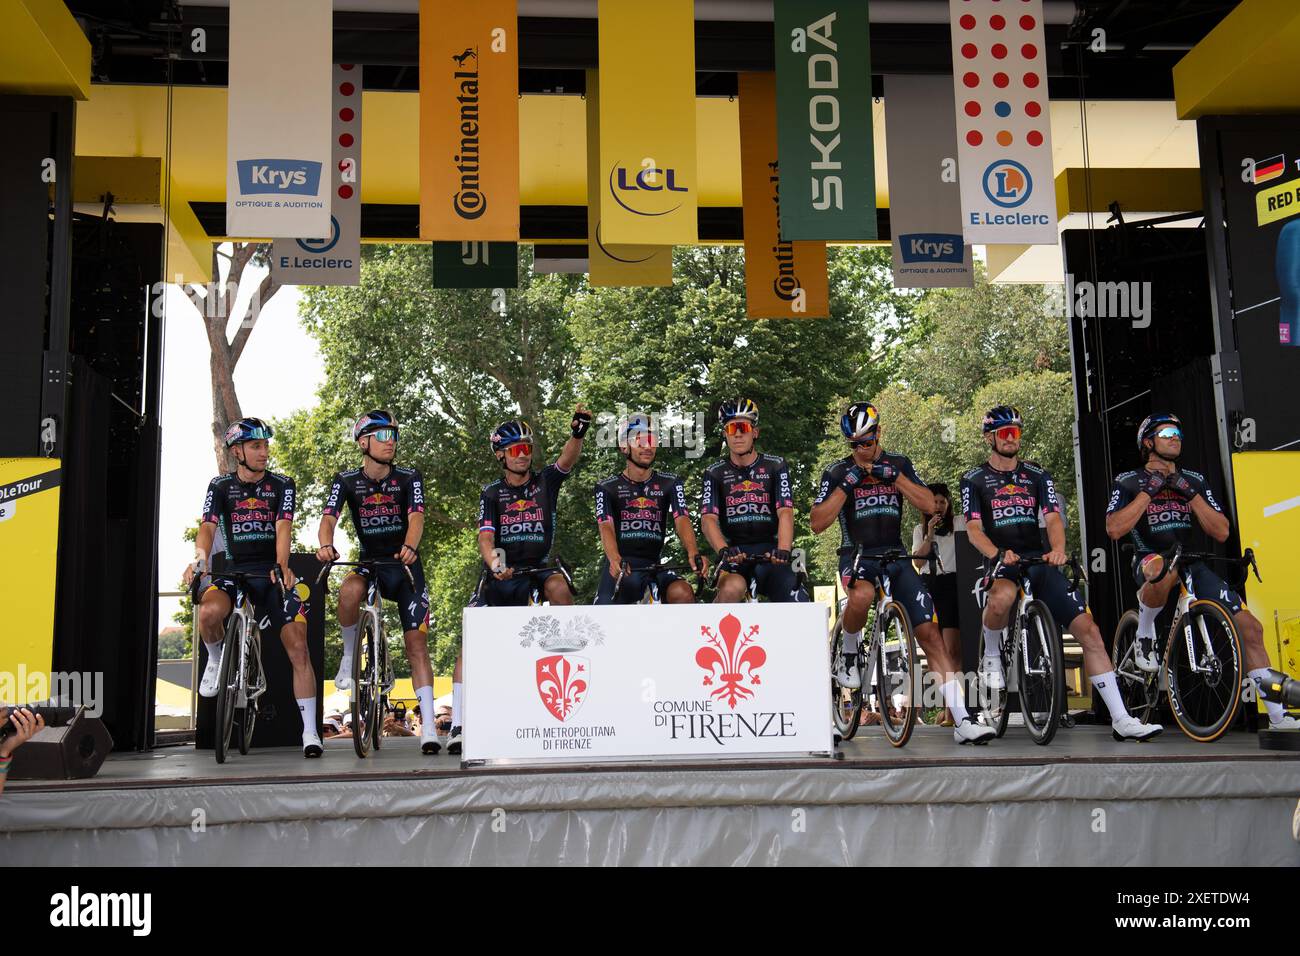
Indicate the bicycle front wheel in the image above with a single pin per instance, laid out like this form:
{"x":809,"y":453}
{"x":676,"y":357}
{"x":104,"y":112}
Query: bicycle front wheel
{"x":1040,"y":671}
{"x":365,"y":686}
{"x":897,"y":674}
{"x":1139,"y":689}
{"x":1204,"y":667}
{"x":846,"y":704}
{"x":252,"y":669}
{"x":228,"y":689}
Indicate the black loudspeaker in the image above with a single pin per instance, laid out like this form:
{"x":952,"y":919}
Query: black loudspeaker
{"x":73,"y":751}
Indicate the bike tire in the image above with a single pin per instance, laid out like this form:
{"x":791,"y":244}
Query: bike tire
{"x":897,"y":628}
{"x":225,"y":715}
{"x":1220,"y":691}
{"x":363,"y":687}
{"x":846,"y":705}
{"x":1042,"y":696}
{"x":248,"y":718}
{"x":1139,"y":690}
{"x":381,"y":678}
{"x":995,"y":705}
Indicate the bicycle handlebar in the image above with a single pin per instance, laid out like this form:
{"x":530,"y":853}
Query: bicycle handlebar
{"x":238,"y":577}
{"x":1174,"y":554}
{"x":1075,"y":577}
{"x":377,"y":563}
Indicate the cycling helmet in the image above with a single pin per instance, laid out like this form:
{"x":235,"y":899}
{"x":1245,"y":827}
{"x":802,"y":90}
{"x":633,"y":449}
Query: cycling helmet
{"x":1152,"y":423}
{"x":860,"y":421}
{"x":634,"y":424}
{"x":372,"y":422}
{"x":732,"y":409}
{"x":247,"y":429}
{"x":510,"y":433}
{"x":1002,"y":416}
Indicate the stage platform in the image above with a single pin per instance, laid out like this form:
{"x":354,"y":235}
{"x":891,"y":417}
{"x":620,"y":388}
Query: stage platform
{"x":1083,"y":800}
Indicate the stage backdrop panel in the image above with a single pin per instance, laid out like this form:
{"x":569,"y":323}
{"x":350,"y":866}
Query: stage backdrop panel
{"x":589,"y":683}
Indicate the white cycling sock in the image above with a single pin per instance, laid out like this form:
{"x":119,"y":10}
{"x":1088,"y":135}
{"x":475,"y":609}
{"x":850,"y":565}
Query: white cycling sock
{"x":307,"y":709}
{"x":851,"y":641}
{"x":1147,"y":620}
{"x":457,"y":702}
{"x":993,"y":643}
{"x":350,"y":640}
{"x":214,"y":650}
{"x":1109,"y":690}
{"x":1275,"y":710}
{"x":955,"y":699}
{"x":425,"y":694}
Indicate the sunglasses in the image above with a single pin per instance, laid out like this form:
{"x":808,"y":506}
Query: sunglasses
{"x":1009,"y":433}
{"x":1169,"y":431}
{"x":863,"y":443}
{"x":521,"y":450}
{"x":384,"y":434}
{"x":738,"y":427}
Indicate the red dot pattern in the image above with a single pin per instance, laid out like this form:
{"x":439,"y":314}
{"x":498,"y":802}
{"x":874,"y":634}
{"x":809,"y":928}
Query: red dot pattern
{"x":973,"y":108}
{"x":1034,"y":138}
{"x":981,"y":55}
{"x":974,"y":137}
{"x":969,"y":50}
{"x":347,"y":89}
{"x":345,"y":191}
{"x":347,"y":114}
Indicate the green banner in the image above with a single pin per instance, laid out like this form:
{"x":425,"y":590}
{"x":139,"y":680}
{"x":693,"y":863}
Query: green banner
{"x":823,"y":119}
{"x":475,"y":265}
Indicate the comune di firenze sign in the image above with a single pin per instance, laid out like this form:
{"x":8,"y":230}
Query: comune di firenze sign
{"x":547,"y":684}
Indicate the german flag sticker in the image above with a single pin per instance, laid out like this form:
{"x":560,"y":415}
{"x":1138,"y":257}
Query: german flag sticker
{"x":1268,"y":169}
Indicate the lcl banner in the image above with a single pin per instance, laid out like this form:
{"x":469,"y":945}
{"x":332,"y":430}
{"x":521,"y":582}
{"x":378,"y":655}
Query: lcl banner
{"x":469,"y":120}
{"x":607,"y":264}
{"x":335,"y":260}
{"x":823,"y":120}
{"x":649,"y":190}
{"x":1004,"y":126}
{"x":278,"y":119}
{"x":924,"y":196}
{"x":783,"y":279}
{"x":475,"y":265}
{"x":553,"y":683}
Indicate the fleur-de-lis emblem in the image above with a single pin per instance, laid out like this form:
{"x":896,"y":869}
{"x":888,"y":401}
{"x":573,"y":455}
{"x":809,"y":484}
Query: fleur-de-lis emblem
{"x":730,"y":657}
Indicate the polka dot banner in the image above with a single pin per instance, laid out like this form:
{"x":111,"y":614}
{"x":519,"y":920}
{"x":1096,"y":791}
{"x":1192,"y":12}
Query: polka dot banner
{"x":1004,"y":136}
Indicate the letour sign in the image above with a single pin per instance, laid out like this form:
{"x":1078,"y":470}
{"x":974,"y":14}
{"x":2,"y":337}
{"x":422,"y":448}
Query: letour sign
{"x":670,"y":680}
{"x":823,"y":117}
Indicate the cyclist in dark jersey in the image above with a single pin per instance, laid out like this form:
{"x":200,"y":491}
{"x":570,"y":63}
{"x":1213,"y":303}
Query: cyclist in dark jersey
{"x":633,"y":509}
{"x":1003,"y":500}
{"x":747,"y":510}
{"x":517,"y":515}
{"x":386,"y":502}
{"x":865,"y":491}
{"x":254,"y":509}
{"x":1156,"y":506}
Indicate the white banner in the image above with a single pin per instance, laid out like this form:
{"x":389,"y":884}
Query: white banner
{"x":278,"y":119}
{"x":337,"y":259}
{"x":924,"y":197}
{"x":1004,"y":129}
{"x":672,"y":680}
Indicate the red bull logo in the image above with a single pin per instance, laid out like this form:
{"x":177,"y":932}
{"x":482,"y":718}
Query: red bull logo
{"x":249,"y":504}
{"x":747,"y":485}
{"x":523,"y":505}
{"x":378,"y":499}
{"x":1013,"y":489}
{"x":641,"y":502}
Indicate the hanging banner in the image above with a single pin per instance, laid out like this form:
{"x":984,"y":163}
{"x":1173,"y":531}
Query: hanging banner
{"x":1004,"y":130}
{"x":469,"y":120}
{"x":278,"y":119}
{"x":649,"y":191}
{"x":29,"y":539}
{"x":823,"y":120}
{"x":783,"y":279}
{"x":611,"y":265}
{"x":475,"y":265}
{"x":924,"y":196}
{"x":337,"y":259}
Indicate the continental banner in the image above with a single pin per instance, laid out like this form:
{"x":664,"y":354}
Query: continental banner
{"x":475,"y":265}
{"x":823,"y":120}
{"x":610,"y":265}
{"x":649,"y":190}
{"x":278,"y":119}
{"x":469,"y":121}
{"x":337,"y":259}
{"x":1004,"y":130}
{"x":29,"y":538}
{"x":924,"y":196}
{"x":783,"y":279}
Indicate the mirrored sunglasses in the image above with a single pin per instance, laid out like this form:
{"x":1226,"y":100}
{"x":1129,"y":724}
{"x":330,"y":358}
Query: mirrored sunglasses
{"x":738,"y":427}
{"x":521,"y":450}
{"x":1009,"y":432}
{"x":384,"y":434}
{"x":1169,"y":431}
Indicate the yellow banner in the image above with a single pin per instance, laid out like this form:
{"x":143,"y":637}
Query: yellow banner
{"x":611,"y":265}
{"x":1278,"y":202}
{"x":29,"y":539}
{"x":783,"y":279}
{"x":649,"y":190}
{"x":469,"y":121}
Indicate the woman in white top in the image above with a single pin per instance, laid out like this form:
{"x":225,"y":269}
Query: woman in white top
{"x":941,"y":580}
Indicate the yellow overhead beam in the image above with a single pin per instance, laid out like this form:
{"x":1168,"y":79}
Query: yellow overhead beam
{"x":1249,"y":63}
{"x":1136,"y":190}
{"x":42,"y":50}
{"x":134,"y":180}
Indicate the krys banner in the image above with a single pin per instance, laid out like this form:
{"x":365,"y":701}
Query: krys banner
{"x":469,"y":120}
{"x":823,"y":120}
{"x":649,"y":187}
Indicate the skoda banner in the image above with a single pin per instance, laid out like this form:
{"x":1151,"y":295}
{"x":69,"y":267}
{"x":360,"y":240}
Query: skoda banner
{"x":552,"y":683}
{"x":278,"y":119}
{"x":823,"y":120}
{"x":924,"y":196}
{"x":335,"y":260}
{"x":1004,"y":129}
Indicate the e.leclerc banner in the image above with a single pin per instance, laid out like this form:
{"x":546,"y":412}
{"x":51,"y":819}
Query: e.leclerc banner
{"x":783,"y":279}
{"x":469,"y":120}
{"x":337,"y":259}
{"x":649,"y":187}
{"x":924,"y":196}
{"x":1004,"y":130}
{"x":475,"y":265}
{"x":589,"y":683}
{"x":611,"y":265}
{"x":823,"y":120}
{"x":278,"y":119}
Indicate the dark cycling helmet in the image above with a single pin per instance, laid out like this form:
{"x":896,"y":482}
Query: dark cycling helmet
{"x":860,"y":421}
{"x":1152,"y":423}
{"x":732,"y":409}
{"x":247,"y":429}
{"x":1002,"y":416}
{"x":510,"y":433}
{"x":633,"y":424}
{"x":372,"y":422}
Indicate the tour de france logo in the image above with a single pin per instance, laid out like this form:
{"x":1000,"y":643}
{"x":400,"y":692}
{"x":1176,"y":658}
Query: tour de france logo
{"x":563,"y":677}
{"x":729,"y":658}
